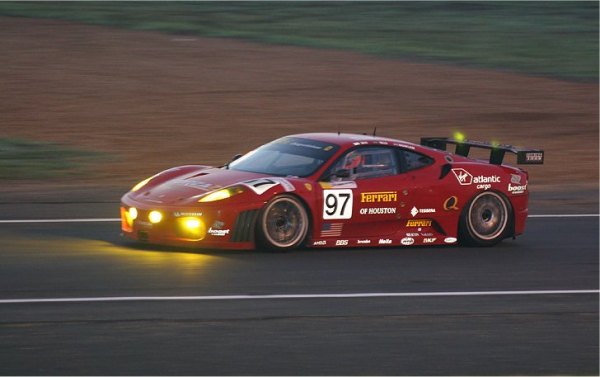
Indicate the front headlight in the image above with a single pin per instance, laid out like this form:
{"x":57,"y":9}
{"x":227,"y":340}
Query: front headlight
{"x":222,"y":194}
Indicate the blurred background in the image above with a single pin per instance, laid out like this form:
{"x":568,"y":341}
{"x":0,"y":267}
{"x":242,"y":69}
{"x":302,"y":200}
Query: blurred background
{"x":97,"y":96}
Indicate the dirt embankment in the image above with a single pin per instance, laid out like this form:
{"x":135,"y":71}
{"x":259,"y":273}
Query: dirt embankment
{"x":157,"y":100}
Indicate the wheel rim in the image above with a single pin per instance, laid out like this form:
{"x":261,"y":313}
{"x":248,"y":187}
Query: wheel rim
{"x":285,"y":223}
{"x":488,"y":216}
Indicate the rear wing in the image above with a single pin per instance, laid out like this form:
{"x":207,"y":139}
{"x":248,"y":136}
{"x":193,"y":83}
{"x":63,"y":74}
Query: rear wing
{"x":525,"y":156}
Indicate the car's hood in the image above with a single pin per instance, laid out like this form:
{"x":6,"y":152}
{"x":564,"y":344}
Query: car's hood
{"x":182,"y":189}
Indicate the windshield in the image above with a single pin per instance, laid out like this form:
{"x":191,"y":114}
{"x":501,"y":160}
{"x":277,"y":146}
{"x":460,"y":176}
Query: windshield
{"x":288,"y":156}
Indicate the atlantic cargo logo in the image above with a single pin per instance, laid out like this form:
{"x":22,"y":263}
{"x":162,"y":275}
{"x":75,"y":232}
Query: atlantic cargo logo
{"x":464,"y":177}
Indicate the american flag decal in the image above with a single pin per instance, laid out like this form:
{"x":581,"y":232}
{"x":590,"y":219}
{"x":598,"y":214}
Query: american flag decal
{"x":331,"y":229}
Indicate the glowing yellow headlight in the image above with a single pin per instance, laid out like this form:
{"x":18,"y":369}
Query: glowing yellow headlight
{"x":191,"y":228}
{"x":222,"y":194}
{"x":192,"y":223}
{"x":155,"y":217}
{"x":133,"y":213}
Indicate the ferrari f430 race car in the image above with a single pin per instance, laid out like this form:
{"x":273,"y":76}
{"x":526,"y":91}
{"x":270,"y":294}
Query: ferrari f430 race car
{"x":336,"y":190}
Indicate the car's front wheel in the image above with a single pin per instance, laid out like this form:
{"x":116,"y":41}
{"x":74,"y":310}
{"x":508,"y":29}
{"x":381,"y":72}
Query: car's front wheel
{"x":283,"y":223}
{"x":486,"y":220}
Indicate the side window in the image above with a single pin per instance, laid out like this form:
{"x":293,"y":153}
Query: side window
{"x":367,"y":162}
{"x":413,"y":160}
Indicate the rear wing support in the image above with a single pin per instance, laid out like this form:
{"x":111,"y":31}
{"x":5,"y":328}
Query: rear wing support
{"x":525,"y":156}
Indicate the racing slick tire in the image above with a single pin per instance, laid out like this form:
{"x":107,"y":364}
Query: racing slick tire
{"x":283,"y":224}
{"x":486,"y":220}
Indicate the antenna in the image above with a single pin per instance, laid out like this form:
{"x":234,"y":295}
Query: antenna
{"x":375,"y":131}
{"x":338,"y":130}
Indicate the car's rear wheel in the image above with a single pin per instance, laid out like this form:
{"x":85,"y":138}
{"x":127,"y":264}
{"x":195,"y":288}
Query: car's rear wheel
{"x":283,"y":223}
{"x":486,"y":220}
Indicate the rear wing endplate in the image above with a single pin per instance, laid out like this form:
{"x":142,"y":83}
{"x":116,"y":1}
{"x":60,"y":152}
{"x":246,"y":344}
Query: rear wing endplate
{"x":525,"y":156}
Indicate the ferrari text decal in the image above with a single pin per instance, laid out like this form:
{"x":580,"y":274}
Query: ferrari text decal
{"x":418,"y":223}
{"x":337,"y":204}
{"x":376,"y":197}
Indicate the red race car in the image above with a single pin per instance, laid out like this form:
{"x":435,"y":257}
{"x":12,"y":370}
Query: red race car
{"x":336,"y":190}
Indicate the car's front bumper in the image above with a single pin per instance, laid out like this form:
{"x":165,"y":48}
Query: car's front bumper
{"x":207,"y":226}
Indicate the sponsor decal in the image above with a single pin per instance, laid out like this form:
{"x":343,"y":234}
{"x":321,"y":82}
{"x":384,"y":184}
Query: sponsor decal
{"x":414,"y":211}
{"x":412,"y":234}
{"x":407,"y":241}
{"x":484,"y":179}
{"x":310,"y":146}
{"x":338,"y":185}
{"x":517,"y":189}
{"x":320,"y":243}
{"x":429,"y":240}
{"x":404,"y":146}
{"x":218,"y":232}
{"x":484,"y":182}
{"x":418,"y":223}
{"x":341,"y":243}
{"x":450,"y":240}
{"x":337,"y":204}
{"x":534,"y":157}
{"x":143,"y":224}
{"x":377,"y":197}
{"x":331,"y":229}
{"x":385,"y":241}
{"x":308,"y":186}
{"x":363,"y":242}
{"x":187,"y":214}
{"x":426,"y":234}
{"x":218,"y":225}
{"x":465,"y":178}
{"x":515,"y":178}
{"x":451,"y":203}
{"x":377,"y":211}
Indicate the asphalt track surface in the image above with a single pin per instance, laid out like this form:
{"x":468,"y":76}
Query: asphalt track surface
{"x":184,"y":332}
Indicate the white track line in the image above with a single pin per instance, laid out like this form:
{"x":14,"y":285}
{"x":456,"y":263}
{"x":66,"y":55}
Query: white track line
{"x":118,"y":219}
{"x":58,"y":221}
{"x":566,"y":215}
{"x":297,"y":296}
